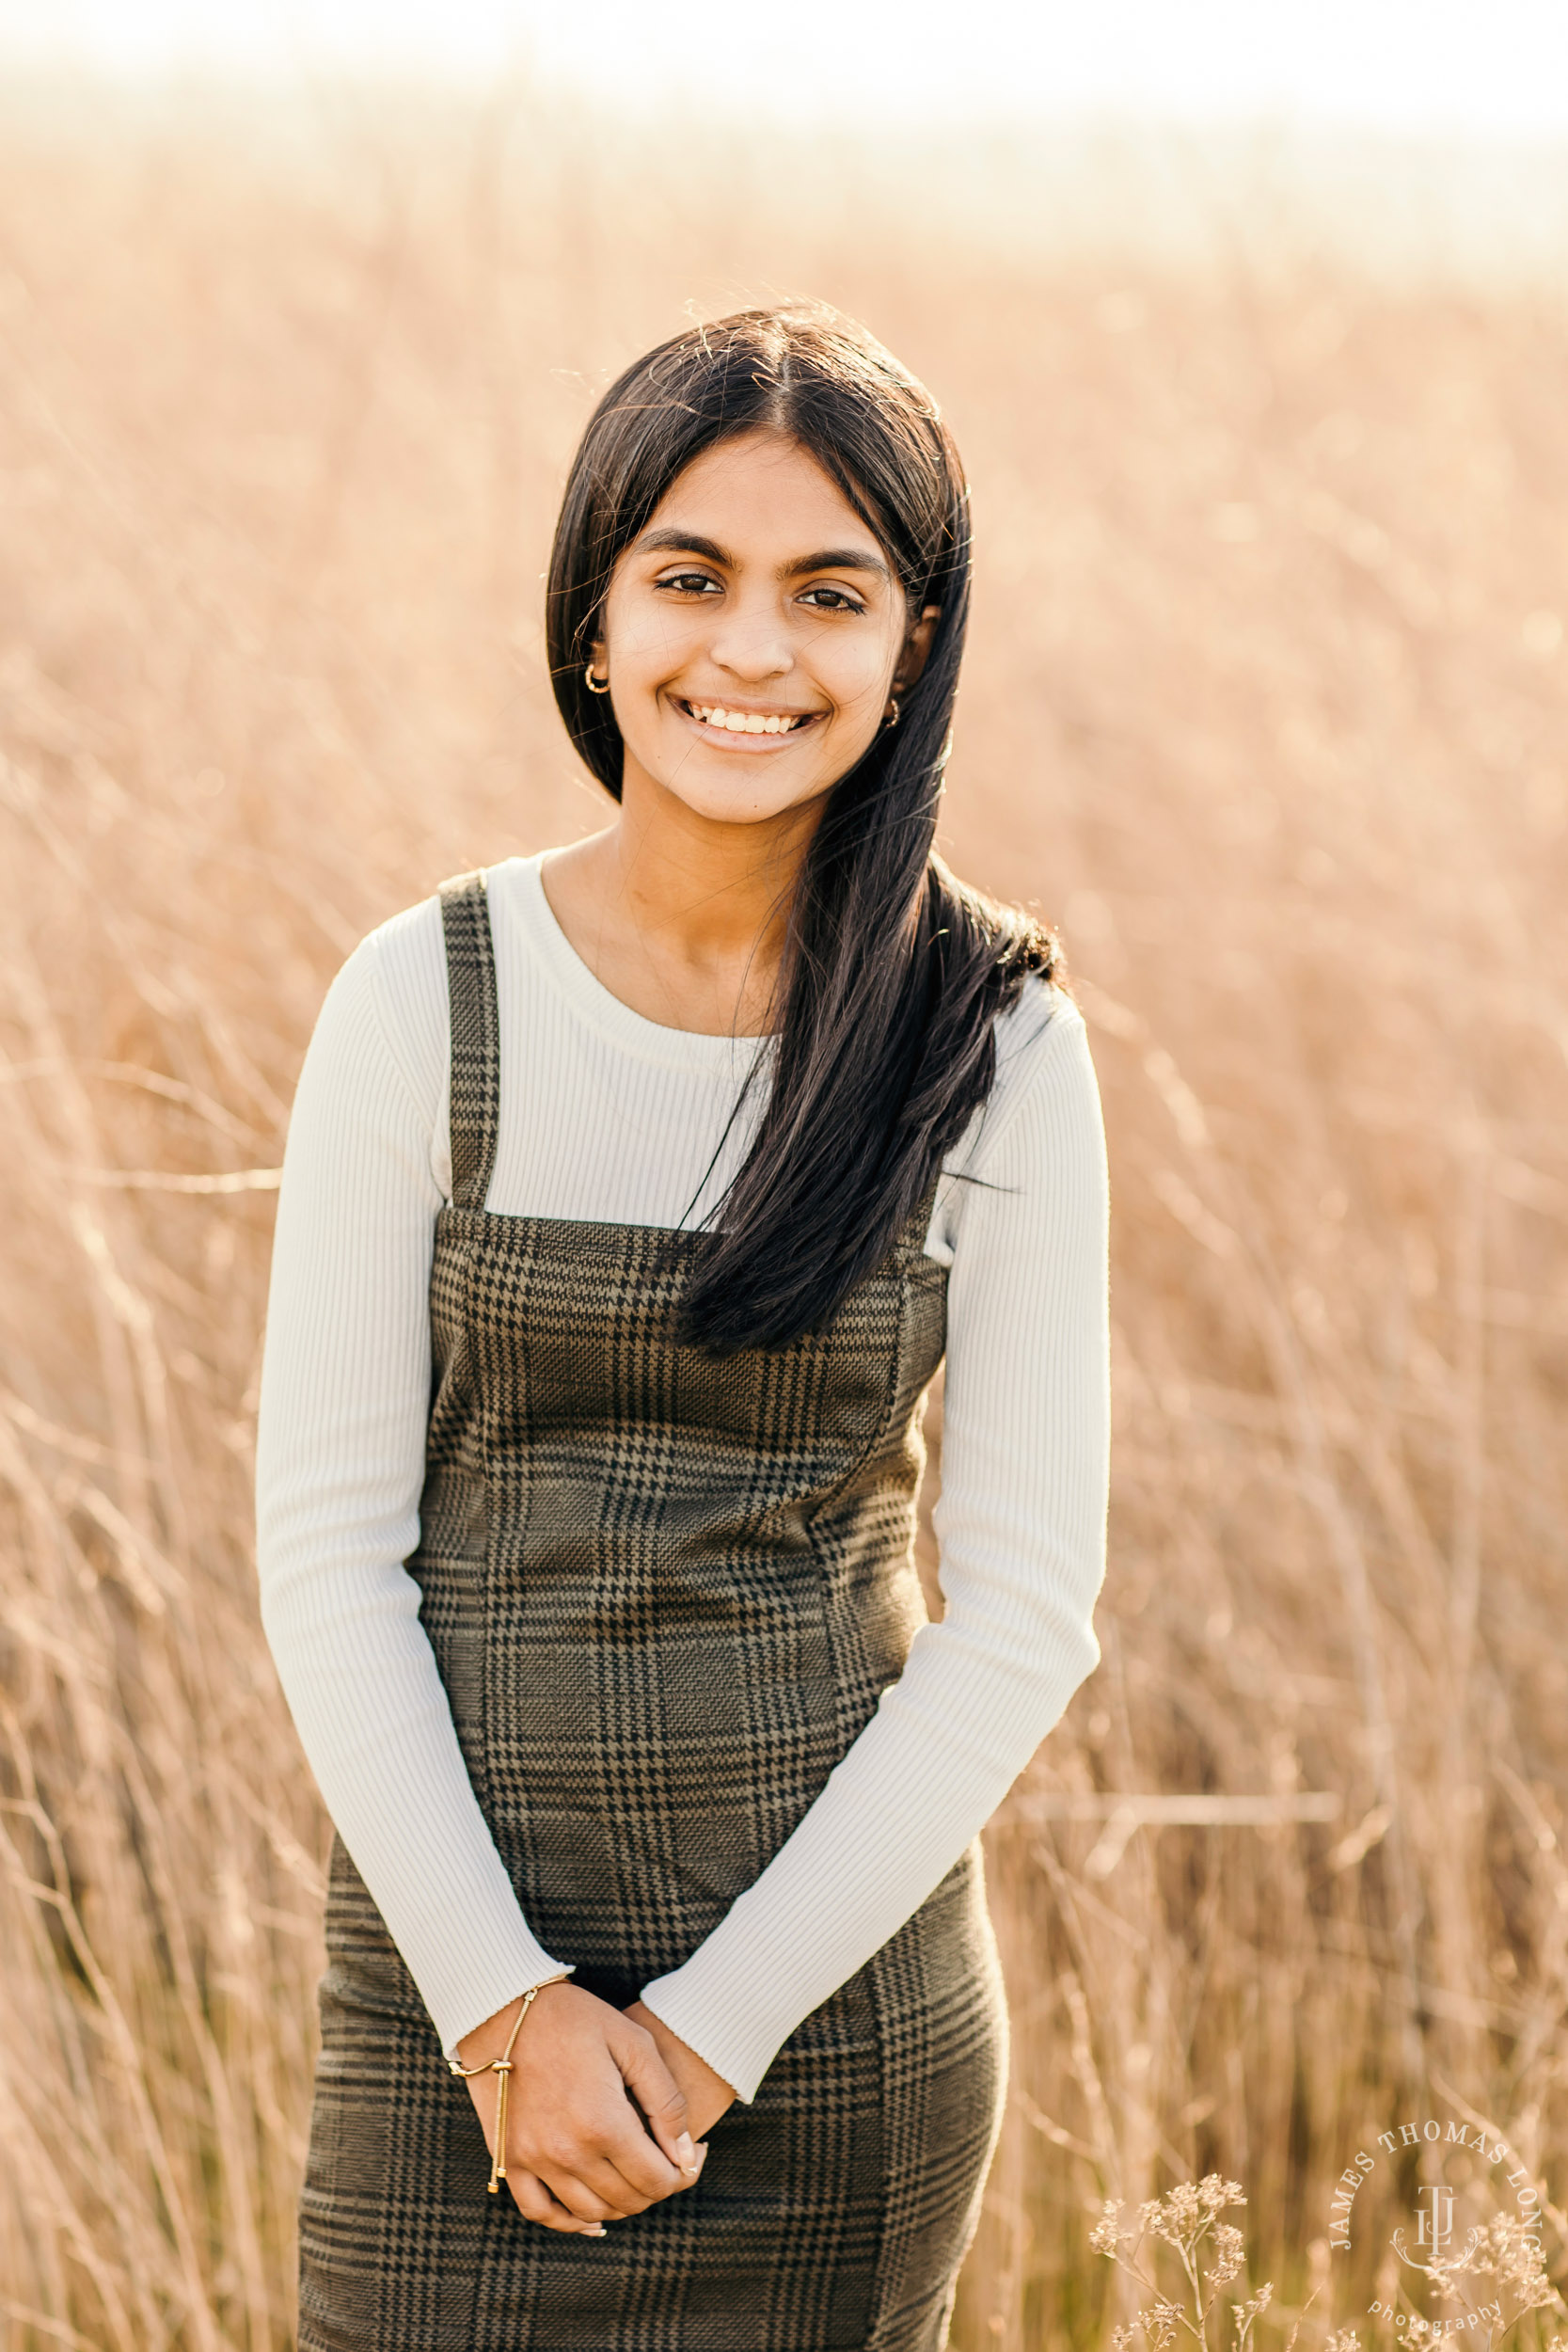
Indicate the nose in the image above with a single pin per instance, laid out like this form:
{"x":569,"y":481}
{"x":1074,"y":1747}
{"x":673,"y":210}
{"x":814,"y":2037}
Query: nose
{"x":752,"y":644}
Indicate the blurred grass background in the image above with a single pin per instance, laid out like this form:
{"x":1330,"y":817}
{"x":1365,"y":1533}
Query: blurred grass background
{"x":1267,"y":706}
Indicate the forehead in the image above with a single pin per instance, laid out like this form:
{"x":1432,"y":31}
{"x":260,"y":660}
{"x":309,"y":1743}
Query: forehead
{"x":764,"y":489}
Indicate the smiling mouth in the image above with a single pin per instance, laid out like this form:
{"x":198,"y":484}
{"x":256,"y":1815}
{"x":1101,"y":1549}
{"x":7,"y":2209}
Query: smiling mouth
{"x":725,"y":722}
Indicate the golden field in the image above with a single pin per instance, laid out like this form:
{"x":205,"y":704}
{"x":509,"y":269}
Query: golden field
{"x":1267,"y":706}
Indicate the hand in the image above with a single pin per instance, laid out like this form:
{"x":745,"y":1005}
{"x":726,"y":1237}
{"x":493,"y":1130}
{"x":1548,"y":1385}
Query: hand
{"x":578,"y":2152}
{"x":706,"y":2095}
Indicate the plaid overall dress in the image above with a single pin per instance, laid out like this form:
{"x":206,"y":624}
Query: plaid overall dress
{"x":664,"y":1591}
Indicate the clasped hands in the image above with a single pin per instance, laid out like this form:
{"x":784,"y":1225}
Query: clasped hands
{"x":606,"y":2109}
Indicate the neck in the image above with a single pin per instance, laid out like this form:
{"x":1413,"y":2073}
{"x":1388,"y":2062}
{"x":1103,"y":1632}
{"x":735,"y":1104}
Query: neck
{"x":684,"y":917}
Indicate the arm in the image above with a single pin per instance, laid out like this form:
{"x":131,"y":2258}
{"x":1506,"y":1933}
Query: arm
{"x":1021,"y":1526}
{"x":345,"y":1390}
{"x":345,"y":1393}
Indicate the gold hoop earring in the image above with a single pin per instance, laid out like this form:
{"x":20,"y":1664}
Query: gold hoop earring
{"x":593,"y":683}
{"x":890,"y":716}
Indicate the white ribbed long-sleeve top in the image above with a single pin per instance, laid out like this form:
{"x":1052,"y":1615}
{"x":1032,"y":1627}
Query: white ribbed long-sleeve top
{"x":611,"y":1118}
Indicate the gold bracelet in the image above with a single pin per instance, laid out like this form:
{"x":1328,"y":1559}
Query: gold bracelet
{"x":502,"y":2066}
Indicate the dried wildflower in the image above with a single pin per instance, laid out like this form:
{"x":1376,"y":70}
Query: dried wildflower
{"x":1104,"y":2234}
{"x":1248,"y":2313}
{"x":1210,"y":2252}
{"x":1158,"y":2326}
{"x":1178,"y":2213}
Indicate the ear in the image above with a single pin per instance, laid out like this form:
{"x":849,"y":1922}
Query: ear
{"x":917,"y":645}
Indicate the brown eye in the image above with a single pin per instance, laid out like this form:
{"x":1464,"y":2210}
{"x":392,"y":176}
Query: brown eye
{"x":688,"y":583}
{"x":831,"y":600}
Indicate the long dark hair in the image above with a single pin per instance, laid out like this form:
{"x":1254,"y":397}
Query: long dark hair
{"x":893,"y":971}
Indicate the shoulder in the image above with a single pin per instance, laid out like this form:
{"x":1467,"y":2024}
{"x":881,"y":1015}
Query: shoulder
{"x":399,"y":959}
{"x":395,"y":979}
{"x":1041,"y":1008}
{"x":394,"y":985}
{"x":407,"y":953}
{"x":1042,"y":1060}
{"x":1043,"y":1114}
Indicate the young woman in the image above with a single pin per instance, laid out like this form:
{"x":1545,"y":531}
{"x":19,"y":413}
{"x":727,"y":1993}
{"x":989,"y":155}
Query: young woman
{"x":634,"y":1195}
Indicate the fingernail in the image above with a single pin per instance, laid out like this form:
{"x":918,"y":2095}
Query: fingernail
{"x":687,"y":2153}
{"x":594,"y":2228}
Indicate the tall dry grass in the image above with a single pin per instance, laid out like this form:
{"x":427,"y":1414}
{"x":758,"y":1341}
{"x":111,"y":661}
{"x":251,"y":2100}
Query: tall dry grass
{"x":1268,"y":704}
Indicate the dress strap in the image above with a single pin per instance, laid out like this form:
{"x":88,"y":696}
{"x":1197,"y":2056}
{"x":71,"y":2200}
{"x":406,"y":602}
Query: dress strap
{"x":475,"y":1037}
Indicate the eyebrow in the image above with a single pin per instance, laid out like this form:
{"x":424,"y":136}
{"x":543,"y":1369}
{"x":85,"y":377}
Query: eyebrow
{"x":839,"y":559}
{"x":672,"y":542}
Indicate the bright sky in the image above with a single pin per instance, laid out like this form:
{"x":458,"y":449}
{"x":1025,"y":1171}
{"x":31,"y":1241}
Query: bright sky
{"x":1402,"y":65}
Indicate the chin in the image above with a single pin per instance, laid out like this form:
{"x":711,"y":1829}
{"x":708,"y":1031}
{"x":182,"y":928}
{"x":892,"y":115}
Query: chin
{"x":737,"y":808}
{"x":740,"y":798}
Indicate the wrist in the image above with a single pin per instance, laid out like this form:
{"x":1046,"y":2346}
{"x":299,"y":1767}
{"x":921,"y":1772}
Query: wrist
{"x":487,"y":2040}
{"x":672,"y":2047}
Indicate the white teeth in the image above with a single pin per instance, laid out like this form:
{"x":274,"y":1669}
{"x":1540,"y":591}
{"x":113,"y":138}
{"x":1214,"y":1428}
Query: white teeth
{"x":743,"y":722}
